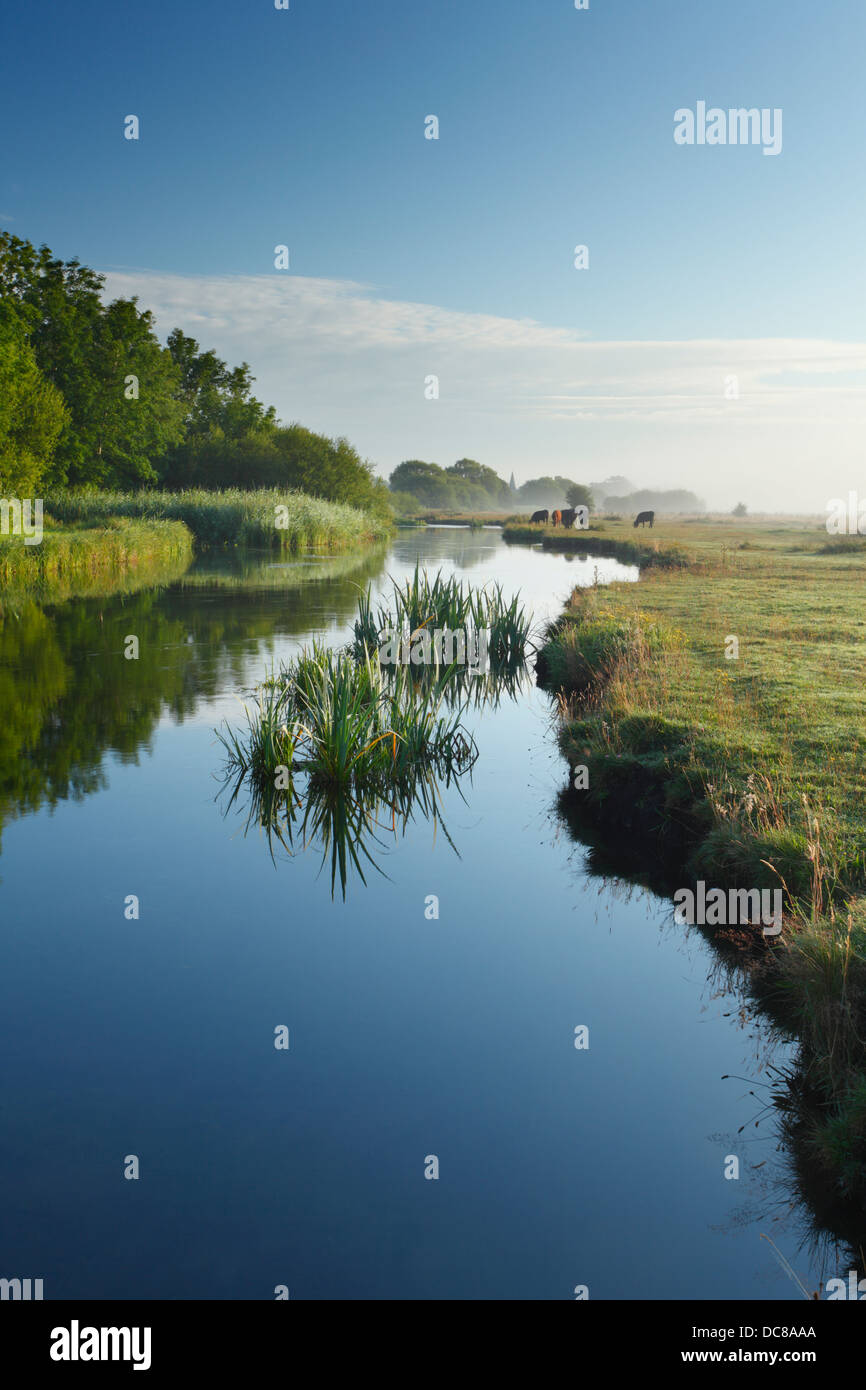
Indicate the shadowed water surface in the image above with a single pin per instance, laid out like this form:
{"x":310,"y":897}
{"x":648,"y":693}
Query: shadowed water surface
{"x":409,"y":1037}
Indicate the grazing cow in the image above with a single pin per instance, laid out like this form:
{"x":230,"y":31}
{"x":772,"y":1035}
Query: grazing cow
{"x":556,"y":518}
{"x":539,"y":516}
{"x":644,"y":518}
{"x":568,"y":516}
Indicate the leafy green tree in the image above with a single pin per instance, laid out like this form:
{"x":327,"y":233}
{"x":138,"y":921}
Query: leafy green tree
{"x":135,"y":416}
{"x":32,"y":413}
{"x":117,"y":409}
{"x":88,"y":351}
{"x":672,"y":500}
{"x":218,"y":399}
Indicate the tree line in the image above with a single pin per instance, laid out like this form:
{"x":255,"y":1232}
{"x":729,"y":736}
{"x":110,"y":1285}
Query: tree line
{"x":468,"y":486}
{"x":89,"y":395}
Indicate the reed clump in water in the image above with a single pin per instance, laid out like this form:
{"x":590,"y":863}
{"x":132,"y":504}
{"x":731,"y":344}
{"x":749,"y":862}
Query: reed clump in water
{"x":445,"y":604}
{"x":344,"y":723}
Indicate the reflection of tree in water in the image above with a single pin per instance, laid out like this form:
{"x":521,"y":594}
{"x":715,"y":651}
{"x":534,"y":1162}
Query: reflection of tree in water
{"x":69,"y":697}
{"x":350,"y":828}
{"x":790,"y":1198}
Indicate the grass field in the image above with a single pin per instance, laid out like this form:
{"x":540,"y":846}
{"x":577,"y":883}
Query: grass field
{"x":745,"y":757}
{"x":787,"y":714}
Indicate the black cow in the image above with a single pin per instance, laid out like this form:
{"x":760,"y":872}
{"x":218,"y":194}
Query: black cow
{"x":568,"y":516}
{"x":539,"y":516}
{"x":644,"y":518}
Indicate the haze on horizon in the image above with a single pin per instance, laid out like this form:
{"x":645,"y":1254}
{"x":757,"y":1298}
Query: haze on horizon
{"x":714,"y":342}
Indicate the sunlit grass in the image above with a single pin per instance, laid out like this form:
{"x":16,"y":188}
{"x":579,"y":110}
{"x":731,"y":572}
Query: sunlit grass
{"x":233,"y":516}
{"x":83,"y":558}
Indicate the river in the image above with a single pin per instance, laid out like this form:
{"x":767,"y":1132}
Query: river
{"x":409,"y":1036}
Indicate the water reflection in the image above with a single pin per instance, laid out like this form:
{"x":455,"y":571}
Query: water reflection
{"x":351,"y":828}
{"x":69,"y":697}
{"x":343,"y":741}
{"x":827,"y":1227}
{"x":593,"y":1158}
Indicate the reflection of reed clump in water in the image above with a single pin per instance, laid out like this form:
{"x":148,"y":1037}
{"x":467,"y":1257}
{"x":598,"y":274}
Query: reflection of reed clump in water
{"x":335,"y":748}
{"x":341,"y":746}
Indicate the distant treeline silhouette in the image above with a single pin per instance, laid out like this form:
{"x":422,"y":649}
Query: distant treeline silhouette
{"x":647,"y":499}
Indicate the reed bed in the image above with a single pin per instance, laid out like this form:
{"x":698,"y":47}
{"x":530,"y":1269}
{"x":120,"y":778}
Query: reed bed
{"x":79,"y":558}
{"x":233,"y":516}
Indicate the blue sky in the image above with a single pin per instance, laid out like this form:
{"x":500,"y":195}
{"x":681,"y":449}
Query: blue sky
{"x":306,"y":127}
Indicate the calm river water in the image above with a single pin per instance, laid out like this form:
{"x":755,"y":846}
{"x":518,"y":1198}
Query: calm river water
{"x":409,"y":1037}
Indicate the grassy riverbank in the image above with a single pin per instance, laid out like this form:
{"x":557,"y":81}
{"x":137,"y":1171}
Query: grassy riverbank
{"x":271,"y":519}
{"x":602,"y":538}
{"x":743,"y":771}
{"x":94,"y":539}
{"x":89,"y":560}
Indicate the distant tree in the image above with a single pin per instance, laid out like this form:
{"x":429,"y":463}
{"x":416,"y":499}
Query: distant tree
{"x":615,"y":486}
{"x":404,"y":504}
{"x":740,"y":510}
{"x":427,"y":481}
{"x":578,"y":495}
{"x":673,"y":500}
{"x":512,"y":485}
{"x":489,"y":490}
{"x":545,"y":492}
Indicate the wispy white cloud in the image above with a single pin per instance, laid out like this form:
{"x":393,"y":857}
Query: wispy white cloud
{"x":524,"y":395}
